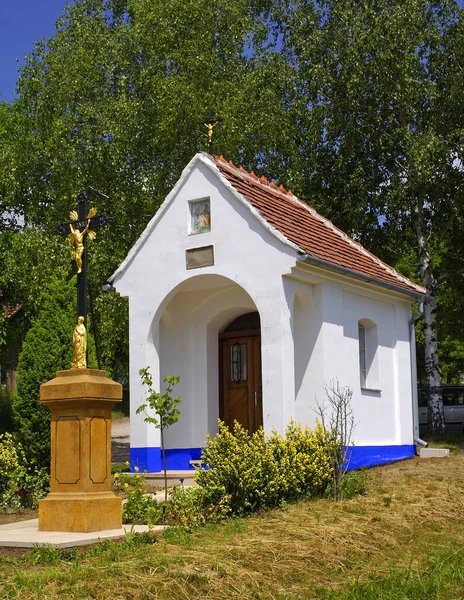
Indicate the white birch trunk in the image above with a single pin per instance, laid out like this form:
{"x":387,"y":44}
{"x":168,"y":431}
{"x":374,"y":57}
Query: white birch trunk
{"x":432,"y":369}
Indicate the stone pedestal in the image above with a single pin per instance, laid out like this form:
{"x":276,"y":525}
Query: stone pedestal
{"x":80,"y":498}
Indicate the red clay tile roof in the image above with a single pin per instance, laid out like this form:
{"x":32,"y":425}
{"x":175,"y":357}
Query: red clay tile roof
{"x":315,"y":235}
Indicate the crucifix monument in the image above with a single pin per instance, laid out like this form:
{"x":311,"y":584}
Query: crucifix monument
{"x":79,"y":230}
{"x":80,"y":401}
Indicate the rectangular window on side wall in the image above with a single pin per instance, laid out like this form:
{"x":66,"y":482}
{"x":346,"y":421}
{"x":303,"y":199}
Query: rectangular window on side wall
{"x":362,"y":355}
{"x":368,"y":355}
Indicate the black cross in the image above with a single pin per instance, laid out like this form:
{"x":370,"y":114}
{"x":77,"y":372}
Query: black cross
{"x":81,"y":223}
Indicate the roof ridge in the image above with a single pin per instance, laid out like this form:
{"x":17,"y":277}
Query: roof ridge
{"x":252,"y":175}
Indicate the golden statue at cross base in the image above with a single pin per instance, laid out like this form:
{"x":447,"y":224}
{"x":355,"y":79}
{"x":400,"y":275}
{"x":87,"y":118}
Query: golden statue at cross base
{"x":79,"y":360}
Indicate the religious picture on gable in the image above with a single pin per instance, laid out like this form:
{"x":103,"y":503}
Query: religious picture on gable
{"x":200,"y":216}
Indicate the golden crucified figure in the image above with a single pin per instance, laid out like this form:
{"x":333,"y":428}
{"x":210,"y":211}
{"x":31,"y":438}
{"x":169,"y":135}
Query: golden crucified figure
{"x":210,"y":127}
{"x":77,"y":236}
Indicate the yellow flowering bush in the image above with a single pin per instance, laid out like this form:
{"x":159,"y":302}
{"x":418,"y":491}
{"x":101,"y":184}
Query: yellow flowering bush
{"x":250,"y":471}
{"x":190,"y":507}
{"x":21,"y":486}
{"x":139,"y":506}
{"x":304,"y":459}
{"x":9,"y":460}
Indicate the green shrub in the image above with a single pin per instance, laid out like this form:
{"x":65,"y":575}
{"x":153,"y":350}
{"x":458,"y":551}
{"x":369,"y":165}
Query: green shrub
{"x":192,"y":507}
{"x":142,"y":509}
{"x":6,"y":416}
{"x":241,"y":469}
{"x":252,"y":471}
{"x":304,"y":463}
{"x":139,"y":507}
{"x":120,"y":468}
{"x":244,"y":472}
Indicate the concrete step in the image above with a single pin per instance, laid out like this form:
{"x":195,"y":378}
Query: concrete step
{"x":184,"y":478}
{"x":434,"y":452}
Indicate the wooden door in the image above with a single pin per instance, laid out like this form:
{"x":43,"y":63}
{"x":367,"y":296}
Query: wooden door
{"x":240,"y":385}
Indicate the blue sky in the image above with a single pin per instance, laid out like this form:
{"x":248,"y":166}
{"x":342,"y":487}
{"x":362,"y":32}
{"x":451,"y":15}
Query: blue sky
{"x":23,"y":22}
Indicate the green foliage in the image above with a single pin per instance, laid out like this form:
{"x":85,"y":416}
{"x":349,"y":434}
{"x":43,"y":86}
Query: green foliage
{"x":120,"y":468}
{"x":47,"y":348}
{"x":47,"y":555}
{"x":21,"y":485}
{"x":112,"y":323}
{"x":187,"y":507}
{"x":164,"y":405}
{"x":43,"y":260}
{"x":143,"y":509}
{"x":139,"y":507}
{"x":353,"y":484}
{"x":253,"y":471}
{"x":6,"y":417}
{"x":303,"y":460}
{"x":191,"y":507}
{"x":165,"y":408}
{"x":374,"y":86}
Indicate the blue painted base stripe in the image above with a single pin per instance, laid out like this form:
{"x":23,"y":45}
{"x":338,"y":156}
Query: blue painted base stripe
{"x":370,"y":456}
{"x":151,"y":460}
{"x":178,"y":459}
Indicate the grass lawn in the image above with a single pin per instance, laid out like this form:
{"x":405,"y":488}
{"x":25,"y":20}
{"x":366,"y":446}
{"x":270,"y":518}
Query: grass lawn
{"x":402,"y":540}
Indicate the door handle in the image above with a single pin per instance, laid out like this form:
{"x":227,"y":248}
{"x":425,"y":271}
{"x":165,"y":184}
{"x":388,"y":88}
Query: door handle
{"x":256,"y":398}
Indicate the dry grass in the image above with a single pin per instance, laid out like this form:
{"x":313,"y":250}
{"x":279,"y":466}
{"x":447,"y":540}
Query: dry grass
{"x":412,"y":510}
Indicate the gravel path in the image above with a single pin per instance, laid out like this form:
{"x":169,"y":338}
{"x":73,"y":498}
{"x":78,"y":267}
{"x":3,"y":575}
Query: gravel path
{"x":120,"y":448}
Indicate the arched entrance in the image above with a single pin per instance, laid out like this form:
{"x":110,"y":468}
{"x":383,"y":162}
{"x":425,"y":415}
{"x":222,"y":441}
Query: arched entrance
{"x":240,"y":380}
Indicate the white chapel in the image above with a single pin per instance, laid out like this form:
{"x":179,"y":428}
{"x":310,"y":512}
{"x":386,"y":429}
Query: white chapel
{"x":258,"y":302}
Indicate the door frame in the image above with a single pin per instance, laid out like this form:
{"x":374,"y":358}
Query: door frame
{"x":256,"y":368}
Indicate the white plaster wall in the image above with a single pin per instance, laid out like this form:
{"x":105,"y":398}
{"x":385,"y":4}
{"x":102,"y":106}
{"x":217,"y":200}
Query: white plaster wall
{"x":382,"y":417}
{"x":305,"y":304}
{"x":403,"y":381}
{"x":324,"y":316}
{"x":247,"y":254}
